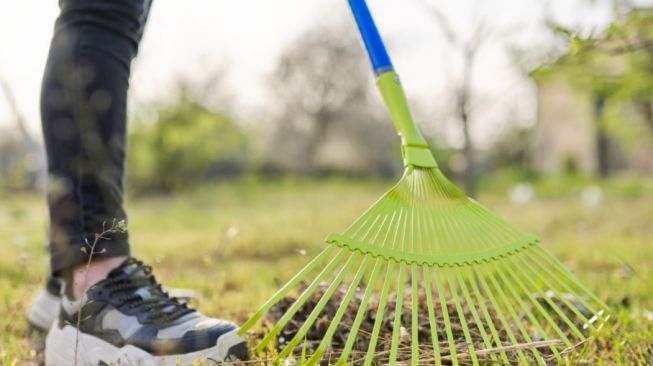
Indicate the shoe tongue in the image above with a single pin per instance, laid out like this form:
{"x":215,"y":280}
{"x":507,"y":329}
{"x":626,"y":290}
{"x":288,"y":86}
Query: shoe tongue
{"x":129,"y":268}
{"x":134,"y":270}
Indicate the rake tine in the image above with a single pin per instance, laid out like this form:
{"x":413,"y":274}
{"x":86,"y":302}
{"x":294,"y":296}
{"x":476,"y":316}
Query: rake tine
{"x":457,"y":233}
{"x":318,"y":308}
{"x":425,"y":234}
{"x":380,"y":206}
{"x":301,"y":300}
{"x":534,"y":322}
{"x":500,"y":269}
{"x":541,"y":252}
{"x":472,"y":308}
{"x":514,"y":261}
{"x":597,"y":315}
{"x":562,"y":298}
{"x":341,"y":310}
{"x":555,"y":263}
{"x":396,"y":329}
{"x":573,"y":278}
{"x":461,"y":315}
{"x":369,"y":227}
{"x":428,"y":289}
{"x":384,"y":205}
{"x":290,"y":285}
{"x":500,"y":315}
{"x":379,"y":315}
{"x":544,"y":313}
{"x":359,"y":315}
{"x":414,"y":295}
{"x":515,"y":317}
{"x":492,"y":233}
{"x":418,"y":240}
{"x":552,"y":288}
{"x":489,"y":225}
{"x":447,"y":323}
{"x":486,"y":313}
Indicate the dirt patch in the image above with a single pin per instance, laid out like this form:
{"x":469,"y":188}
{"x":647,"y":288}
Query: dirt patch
{"x":484,"y":351}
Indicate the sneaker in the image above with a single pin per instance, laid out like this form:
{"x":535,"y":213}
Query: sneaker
{"x":128,"y":319}
{"x":45,"y":306}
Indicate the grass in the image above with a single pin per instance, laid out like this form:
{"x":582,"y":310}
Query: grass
{"x":235,"y":243}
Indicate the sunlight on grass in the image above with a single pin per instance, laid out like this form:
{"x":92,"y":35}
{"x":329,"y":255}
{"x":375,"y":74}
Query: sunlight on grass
{"x":236,"y":243}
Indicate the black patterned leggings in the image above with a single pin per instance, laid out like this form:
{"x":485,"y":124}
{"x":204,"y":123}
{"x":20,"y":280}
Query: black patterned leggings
{"x":84,"y":112}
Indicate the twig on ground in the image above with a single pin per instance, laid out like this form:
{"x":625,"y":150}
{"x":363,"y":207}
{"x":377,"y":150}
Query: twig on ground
{"x":511,"y":348}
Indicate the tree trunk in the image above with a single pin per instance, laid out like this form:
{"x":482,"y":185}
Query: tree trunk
{"x":647,"y":111}
{"x":602,"y":152}
{"x":318,"y":134}
{"x":469,"y":179}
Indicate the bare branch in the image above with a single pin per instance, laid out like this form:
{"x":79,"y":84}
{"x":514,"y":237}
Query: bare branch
{"x":468,"y":49}
{"x":444,"y":24}
{"x":18,"y":117}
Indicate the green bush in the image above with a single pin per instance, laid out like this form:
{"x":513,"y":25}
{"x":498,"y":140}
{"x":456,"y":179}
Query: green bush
{"x":189,"y":144}
{"x":22,"y":168}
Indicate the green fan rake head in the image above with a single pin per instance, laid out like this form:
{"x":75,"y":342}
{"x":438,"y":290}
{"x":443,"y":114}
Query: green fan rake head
{"x":428,"y":275}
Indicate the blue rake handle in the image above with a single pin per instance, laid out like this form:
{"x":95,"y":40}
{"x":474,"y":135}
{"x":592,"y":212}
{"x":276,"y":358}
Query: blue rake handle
{"x":414,"y":147}
{"x":373,"y":43}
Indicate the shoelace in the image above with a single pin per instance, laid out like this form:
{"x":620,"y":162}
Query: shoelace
{"x":160,"y":307}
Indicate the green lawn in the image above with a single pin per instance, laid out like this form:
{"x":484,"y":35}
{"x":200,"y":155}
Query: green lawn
{"x":236,"y":243}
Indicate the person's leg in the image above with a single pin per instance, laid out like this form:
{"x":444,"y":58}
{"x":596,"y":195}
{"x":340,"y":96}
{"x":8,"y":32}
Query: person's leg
{"x":117,"y":312}
{"x":83,"y":106}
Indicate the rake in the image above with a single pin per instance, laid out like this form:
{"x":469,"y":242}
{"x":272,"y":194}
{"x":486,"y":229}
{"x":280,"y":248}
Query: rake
{"x":427,"y":275}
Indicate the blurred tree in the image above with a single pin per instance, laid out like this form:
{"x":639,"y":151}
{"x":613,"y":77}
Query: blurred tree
{"x":20,"y":169}
{"x":327,"y":120}
{"x":615,"y":67}
{"x":22,"y":165}
{"x":468,"y":49}
{"x":637,"y":81}
{"x":187,"y":145}
{"x":512,"y":149}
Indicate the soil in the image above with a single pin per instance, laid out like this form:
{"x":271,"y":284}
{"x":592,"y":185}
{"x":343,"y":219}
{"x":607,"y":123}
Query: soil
{"x":484,"y":353}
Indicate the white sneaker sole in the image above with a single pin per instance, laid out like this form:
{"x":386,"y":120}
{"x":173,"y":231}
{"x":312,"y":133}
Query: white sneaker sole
{"x":43,"y":310}
{"x":93,"y":351}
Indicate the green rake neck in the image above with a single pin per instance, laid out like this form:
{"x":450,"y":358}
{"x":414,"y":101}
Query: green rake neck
{"x":414,"y":148}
